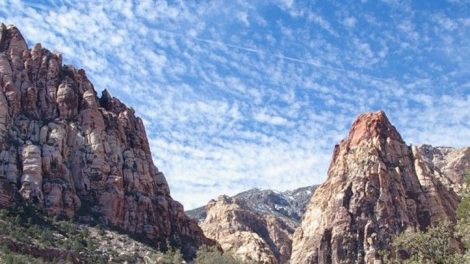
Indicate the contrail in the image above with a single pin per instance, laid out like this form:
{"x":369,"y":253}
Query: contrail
{"x":278,"y":56}
{"x":59,"y":3}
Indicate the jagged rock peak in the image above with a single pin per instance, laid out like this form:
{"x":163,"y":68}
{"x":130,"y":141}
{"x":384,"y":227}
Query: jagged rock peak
{"x":78,"y":156}
{"x":370,"y":128}
{"x":370,"y":125}
{"x":377,"y":186}
{"x":11,"y":39}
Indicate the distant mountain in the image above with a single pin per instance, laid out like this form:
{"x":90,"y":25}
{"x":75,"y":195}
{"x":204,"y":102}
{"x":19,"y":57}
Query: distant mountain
{"x":256,"y":225}
{"x":290,"y":204}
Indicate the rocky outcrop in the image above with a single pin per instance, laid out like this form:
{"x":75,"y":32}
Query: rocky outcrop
{"x":77,"y":155}
{"x":251,"y":236}
{"x":377,"y":186}
{"x":444,"y":163}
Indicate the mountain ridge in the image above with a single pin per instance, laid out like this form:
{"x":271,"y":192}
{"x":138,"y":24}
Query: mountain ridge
{"x":290,"y":203}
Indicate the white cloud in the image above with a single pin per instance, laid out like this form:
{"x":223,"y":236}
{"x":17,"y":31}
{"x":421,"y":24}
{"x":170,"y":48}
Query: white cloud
{"x":234,"y":99}
{"x":270,"y":119}
{"x":243,"y":17}
{"x":350,"y":22}
{"x":323,"y":23}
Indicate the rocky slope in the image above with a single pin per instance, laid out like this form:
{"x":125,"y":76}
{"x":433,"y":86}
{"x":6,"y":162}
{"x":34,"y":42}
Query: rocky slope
{"x":290,"y":204}
{"x":28,"y":236}
{"x":377,"y":186}
{"x":256,"y":225}
{"x":79,"y":156}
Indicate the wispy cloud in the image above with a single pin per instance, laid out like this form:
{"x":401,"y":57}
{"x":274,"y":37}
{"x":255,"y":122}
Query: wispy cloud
{"x":241,"y":94}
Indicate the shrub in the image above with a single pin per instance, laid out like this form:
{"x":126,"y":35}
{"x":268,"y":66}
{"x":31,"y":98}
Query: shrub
{"x":172,"y":256}
{"x":463,"y":215}
{"x":209,"y":255}
{"x":432,"y":246}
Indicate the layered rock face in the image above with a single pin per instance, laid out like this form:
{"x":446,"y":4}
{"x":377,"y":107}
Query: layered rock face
{"x":377,"y":186}
{"x":76,"y":155}
{"x":249,"y":235}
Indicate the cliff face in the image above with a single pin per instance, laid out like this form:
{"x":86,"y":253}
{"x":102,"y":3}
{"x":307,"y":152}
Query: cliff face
{"x":249,"y":234}
{"x":377,"y":186}
{"x":76,"y":155}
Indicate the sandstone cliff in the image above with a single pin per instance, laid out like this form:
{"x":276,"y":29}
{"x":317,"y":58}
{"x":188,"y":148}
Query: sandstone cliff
{"x":377,"y":186}
{"x":77,"y":155}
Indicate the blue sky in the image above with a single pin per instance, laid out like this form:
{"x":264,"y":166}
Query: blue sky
{"x":241,"y":94}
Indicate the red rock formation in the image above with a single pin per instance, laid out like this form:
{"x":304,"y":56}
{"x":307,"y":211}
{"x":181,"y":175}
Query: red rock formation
{"x":372,"y":125}
{"x":76,"y":155}
{"x":377,"y":186}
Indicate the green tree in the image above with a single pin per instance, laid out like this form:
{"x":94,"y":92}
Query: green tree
{"x":463,"y":218}
{"x":438,"y":244}
{"x":433,"y":246}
